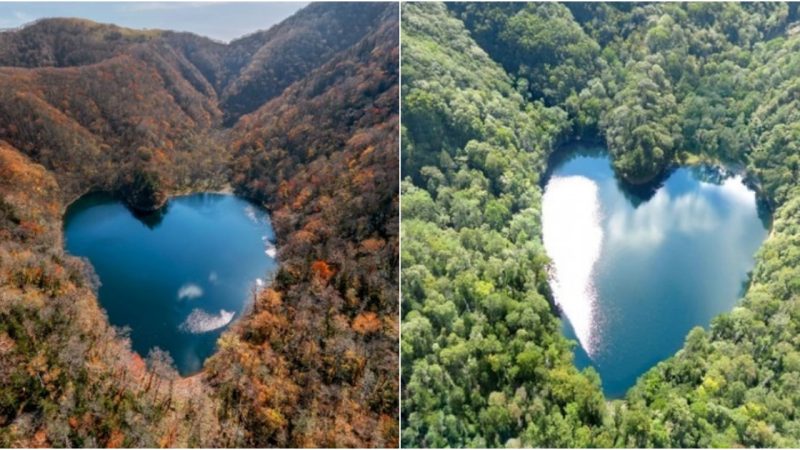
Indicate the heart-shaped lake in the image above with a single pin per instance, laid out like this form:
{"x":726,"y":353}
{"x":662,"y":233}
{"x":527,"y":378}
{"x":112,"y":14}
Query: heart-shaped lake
{"x":176,"y":278}
{"x":631,"y":274}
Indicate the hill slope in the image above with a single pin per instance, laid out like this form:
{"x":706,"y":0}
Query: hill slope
{"x":156,"y":97}
{"x":325,"y":148}
{"x":86,"y":107}
{"x":484,"y":359}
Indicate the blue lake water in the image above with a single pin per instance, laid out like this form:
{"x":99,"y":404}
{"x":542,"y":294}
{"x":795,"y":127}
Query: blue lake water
{"x":176,"y":278}
{"x":634,"y":272}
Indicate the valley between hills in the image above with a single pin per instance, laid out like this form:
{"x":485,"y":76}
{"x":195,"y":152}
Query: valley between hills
{"x":301,"y":118}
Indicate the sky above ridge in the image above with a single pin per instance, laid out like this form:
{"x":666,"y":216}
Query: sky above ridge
{"x":219,"y":21}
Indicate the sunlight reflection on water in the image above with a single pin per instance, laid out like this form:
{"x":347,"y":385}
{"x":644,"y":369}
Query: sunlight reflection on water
{"x":573,"y":238}
{"x":633,"y":271}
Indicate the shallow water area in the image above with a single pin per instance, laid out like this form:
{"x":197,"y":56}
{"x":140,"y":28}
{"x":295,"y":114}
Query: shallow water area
{"x":176,"y":278}
{"x":633,"y":273}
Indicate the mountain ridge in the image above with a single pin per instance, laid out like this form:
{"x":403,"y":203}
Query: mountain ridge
{"x":315,"y":361}
{"x":200,"y":86}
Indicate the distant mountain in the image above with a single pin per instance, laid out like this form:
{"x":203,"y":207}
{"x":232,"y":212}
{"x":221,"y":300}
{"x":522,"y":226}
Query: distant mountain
{"x":61,"y":42}
{"x":302,"y":117}
{"x":152,"y":95}
{"x":259,"y":67}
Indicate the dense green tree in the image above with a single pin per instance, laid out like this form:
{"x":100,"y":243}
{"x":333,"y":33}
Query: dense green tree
{"x":479,"y":339}
{"x":642,"y":130}
{"x":538,"y":42}
{"x":484,"y":361}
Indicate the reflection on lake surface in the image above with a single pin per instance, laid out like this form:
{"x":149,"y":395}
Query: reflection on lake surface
{"x":177,"y":278}
{"x":633,"y":275}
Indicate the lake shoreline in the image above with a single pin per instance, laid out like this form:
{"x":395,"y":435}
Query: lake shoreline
{"x":177,"y":278}
{"x":633,"y":277}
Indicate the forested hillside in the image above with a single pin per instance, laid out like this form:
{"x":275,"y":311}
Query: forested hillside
{"x":486,"y":93}
{"x":145,"y":115}
{"x":324,"y":149}
{"x":483,"y":359}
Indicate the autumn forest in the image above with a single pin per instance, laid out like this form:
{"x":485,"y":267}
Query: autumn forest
{"x":301,"y":118}
{"x":563,"y":225}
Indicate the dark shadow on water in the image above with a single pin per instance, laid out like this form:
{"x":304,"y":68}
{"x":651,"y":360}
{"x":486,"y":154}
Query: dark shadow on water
{"x":595,"y":148}
{"x":87,"y":201}
{"x":745,"y":284}
{"x":764,"y":210}
{"x":709,"y":174}
{"x":639,"y":194}
{"x":203,"y":199}
{"x":570,"y":150}
{"x":716,"y":174}
{"x":642,"y":193}
{"x":151,"y":219}
{"x":764,"y":206}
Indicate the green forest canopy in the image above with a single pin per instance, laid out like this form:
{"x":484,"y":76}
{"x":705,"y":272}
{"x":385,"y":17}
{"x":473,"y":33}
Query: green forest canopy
{"x":488,"y":91}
